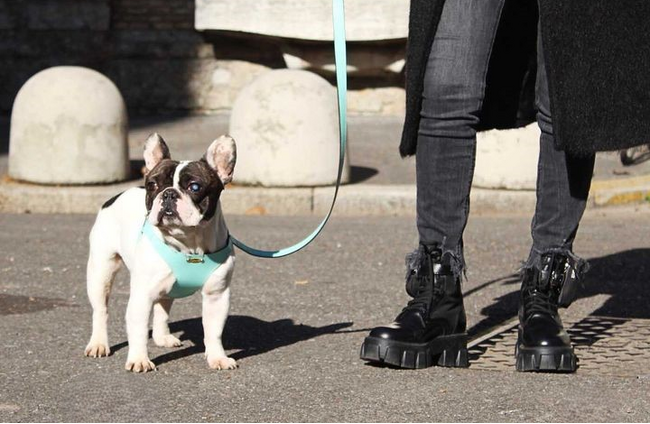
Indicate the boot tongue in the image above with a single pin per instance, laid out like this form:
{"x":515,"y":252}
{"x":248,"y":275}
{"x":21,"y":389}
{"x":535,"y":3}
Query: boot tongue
{"x":420,"y":268}
{"x":544,"y":287}
{"x":543,"y":281}
{"x":419,"y":275}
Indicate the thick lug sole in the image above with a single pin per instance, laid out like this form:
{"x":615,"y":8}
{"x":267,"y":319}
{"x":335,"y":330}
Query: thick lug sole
{"x":546,"y":359}
{"x":445,"y":351}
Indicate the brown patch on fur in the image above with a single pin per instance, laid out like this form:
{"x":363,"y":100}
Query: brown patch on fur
{"x":158,"y":179}
{"x":207,"y":197}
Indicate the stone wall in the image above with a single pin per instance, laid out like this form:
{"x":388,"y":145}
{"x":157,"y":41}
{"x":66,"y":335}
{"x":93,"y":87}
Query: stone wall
{"x":152,"y":14}
{"x":150,"y":49}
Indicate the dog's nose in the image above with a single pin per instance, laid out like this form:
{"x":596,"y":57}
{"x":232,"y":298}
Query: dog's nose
{"x":170,"y":196}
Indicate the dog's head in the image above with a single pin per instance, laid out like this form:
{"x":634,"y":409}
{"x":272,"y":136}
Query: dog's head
{"x":184,"y":194}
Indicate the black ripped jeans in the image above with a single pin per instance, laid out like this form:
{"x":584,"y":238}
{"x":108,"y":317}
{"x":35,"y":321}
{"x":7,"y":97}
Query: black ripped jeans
{"x":454,"y":89}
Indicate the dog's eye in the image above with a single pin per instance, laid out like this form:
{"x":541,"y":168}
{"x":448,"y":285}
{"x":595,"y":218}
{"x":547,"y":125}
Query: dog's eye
{"x":151,"y":185}
{"x":194,"y":187}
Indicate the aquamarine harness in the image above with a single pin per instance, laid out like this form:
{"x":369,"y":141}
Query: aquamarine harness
{"x":191,"y":271}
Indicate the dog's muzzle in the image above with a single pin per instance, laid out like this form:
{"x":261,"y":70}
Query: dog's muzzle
{"x":169,"y":199}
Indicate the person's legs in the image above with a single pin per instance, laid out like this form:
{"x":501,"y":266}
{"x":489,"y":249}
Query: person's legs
{"x":551,"y":272}
{"x":454,"y":88}
{"x":563,"y":181}
{"x":431,"y":328}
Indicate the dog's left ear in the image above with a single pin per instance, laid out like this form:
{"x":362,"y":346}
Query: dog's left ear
{"x":221,"y":156}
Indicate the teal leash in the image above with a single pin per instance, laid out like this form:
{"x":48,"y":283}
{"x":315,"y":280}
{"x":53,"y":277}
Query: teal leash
{"x":338,"y":18}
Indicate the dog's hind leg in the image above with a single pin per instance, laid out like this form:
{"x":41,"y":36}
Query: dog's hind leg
{"x":101,"y":271}
{"x":161,"y":334}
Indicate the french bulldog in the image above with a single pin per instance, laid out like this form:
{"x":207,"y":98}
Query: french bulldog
{"x":181,"y":202}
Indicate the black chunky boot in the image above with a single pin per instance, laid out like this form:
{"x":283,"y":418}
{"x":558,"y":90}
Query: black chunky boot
{"x":430,"y":330}
{"x":543,"y":344}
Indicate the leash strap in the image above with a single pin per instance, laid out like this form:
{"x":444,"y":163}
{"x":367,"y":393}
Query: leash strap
{"x":338,"y":18}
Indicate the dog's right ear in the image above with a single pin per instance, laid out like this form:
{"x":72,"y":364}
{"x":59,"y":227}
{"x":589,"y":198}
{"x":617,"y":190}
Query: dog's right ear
{"x":155,"y":150}
{"x":221,"y":156}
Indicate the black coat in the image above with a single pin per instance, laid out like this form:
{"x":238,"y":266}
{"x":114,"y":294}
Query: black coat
{"x":597,"y":55}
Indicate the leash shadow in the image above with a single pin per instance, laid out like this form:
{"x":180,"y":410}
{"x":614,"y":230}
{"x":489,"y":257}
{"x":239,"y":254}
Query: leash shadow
{"x":249,"y":336}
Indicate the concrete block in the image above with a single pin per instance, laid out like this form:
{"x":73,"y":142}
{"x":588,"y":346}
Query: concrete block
{"x":68,"y":126}
{"x":363,"y":59}
{"x":386,"y":101}
{"x":366,"y":20}
{"x":286,"y":127}
{"x":507,"y":158}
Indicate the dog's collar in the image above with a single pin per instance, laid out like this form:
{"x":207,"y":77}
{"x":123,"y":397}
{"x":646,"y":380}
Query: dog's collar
{"x":191,"y":271}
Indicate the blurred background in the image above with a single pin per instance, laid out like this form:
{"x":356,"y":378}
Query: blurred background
{"x":188,"y":56}
{"x":180,"y":66}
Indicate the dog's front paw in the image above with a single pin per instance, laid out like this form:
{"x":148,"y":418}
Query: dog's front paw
{"x":140,"y":365}
{"x":222,"y":363}
{"x":167,"y":341}
{"x":97,"y":350}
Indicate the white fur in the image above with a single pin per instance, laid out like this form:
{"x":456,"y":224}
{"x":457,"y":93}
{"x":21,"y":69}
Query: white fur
{"x":115,"y":239}
{"x":177,"y":173}
{"x":155,"y":209}
{"x":188,"y":214}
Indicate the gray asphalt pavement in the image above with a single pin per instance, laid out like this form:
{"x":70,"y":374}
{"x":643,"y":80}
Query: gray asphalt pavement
{"x":296,"y":325}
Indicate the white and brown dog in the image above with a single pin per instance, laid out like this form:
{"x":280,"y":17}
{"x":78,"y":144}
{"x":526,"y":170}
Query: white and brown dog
{"x":181,"y":202}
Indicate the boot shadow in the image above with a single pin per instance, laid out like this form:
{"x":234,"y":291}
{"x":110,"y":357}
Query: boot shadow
{"x":624,"y":276}
{"x":501,"y":311}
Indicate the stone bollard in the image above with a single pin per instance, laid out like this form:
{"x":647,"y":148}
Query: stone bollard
{"x":286,"y":127}
{"x":507,"y":159}
{"x":69,"y":126}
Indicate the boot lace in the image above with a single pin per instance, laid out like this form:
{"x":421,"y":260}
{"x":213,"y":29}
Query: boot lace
{"x":543,"y":290}
{"x":540,"y":301}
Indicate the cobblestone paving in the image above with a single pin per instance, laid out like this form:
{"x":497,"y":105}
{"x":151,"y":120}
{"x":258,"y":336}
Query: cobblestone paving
{"x":605,"y":346}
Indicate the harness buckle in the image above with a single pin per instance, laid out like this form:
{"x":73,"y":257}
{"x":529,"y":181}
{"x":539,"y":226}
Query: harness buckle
{"x":195,"y":259}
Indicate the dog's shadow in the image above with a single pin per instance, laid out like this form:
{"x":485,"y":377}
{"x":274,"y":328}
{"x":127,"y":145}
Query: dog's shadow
{"x":248,"y":336}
